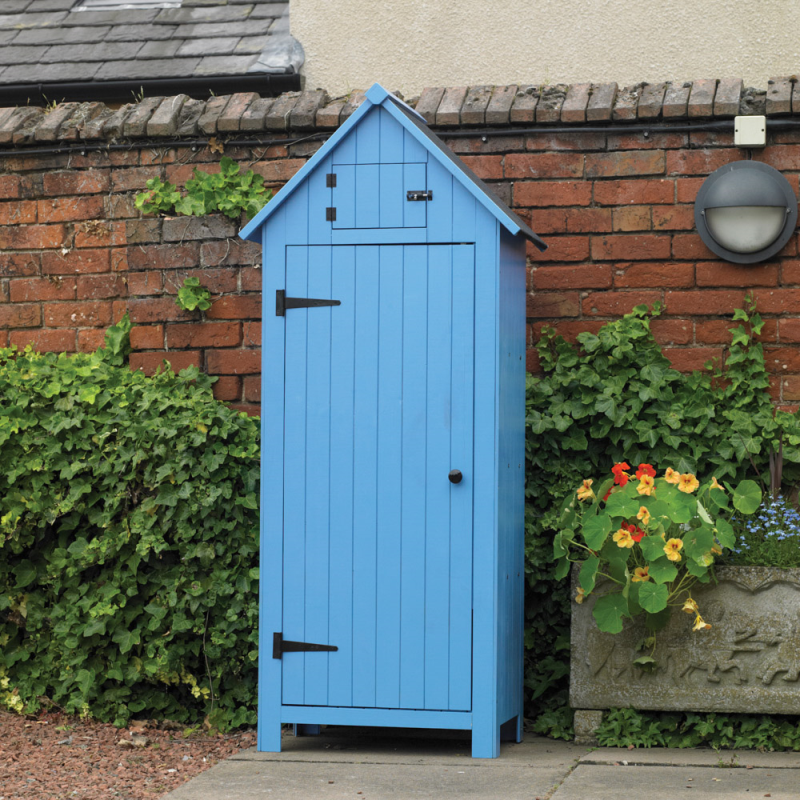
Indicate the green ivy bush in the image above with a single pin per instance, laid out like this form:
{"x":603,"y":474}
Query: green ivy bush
{"x":626,"y":727}
{"x":128,"y":540}
{"x":615,"y":397}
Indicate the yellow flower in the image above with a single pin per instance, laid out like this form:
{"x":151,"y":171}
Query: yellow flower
{"x":640,"y":574}
{"x":673,"y":549}
{"x":715,"y":485}
{"x":580,"y":596}
{"x":623,"y":538}
{"x":671,"y":476}
{"x":690,"y":607}
{"x":700,"y":624}
{"x":688,"y":483}
{"x":643,"y":515}
{"x":646,"y":485}
{"x":585,"y":490}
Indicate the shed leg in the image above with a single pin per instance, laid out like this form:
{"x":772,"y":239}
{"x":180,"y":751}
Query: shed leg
{"x":486,"y":742}
{"x":306,"y":730}
{"x":269,"y":737}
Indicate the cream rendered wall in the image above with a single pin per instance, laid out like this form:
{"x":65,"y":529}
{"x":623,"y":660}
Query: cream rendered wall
{"x":409,"y":45}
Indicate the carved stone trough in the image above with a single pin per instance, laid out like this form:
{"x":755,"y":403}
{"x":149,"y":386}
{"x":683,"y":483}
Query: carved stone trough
{"x":748,"y":662}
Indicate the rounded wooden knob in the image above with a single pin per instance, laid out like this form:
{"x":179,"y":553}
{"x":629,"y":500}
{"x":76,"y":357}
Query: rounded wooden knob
{"x":455,"y":476}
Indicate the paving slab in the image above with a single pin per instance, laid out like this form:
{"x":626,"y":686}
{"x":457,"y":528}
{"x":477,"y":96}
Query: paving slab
{"x":697,"y":757}
{"x":607,"y":782}
{"x":397,"y":765}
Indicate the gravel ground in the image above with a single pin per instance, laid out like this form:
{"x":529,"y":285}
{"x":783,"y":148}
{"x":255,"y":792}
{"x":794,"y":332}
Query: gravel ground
{"x":53,"y":756}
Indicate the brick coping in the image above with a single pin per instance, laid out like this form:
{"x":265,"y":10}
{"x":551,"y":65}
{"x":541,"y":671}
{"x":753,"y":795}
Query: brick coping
{"x":461,"y":106}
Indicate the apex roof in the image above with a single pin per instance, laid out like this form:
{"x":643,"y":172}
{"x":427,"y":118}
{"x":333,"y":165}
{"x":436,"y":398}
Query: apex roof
{"x":415,"y":124}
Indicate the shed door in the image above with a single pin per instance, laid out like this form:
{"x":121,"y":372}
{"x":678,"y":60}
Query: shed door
{"x":377,"y":540}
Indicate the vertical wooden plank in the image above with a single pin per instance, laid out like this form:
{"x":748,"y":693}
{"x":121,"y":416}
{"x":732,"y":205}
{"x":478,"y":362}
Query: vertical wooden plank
{"x":389,"y":522}
{"x":486,"y":727}
{"x":437,"y":506}
{"x":464,"y":209}
{"x":317,"y":474}
{"x":271,"y":539}
{"x":319,"y":198}
{"x":344,"y":196}
{"x":367,"y":196}
{"x":343,"y":288}
{"x":391,"y":139}
{"x":414,"y":180}
{"x":413,"y":151}
{"x":460,"y":677}
{"x":345,"y":151}
{"x":440,"y":209}
{"x":414,"y":477}
{"x":392,"y":198}
{"x":297,"y":216}
{"x":294,"y":538}
{"x":368,"y":138}
{"x":365,"y":411}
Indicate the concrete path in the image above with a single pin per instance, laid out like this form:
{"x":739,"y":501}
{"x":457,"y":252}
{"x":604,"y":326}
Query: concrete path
{"x":365,"y":764}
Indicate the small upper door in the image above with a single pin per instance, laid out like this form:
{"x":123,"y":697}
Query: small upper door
{"x":377,"y":539}
{"x":379,"y":195}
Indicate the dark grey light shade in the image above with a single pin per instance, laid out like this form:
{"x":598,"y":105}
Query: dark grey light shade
{"x":745,"y":212}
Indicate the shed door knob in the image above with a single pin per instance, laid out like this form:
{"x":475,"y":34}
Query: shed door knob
{"x":455,"y":476}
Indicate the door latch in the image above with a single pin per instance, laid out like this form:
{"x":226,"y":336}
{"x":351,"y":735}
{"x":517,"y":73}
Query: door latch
{"x":420,"y":195}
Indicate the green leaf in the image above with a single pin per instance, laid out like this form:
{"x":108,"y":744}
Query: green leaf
{"x":725,"y":533}
{"x":25,"y":574}
{"x":653,"y":597}
{"x":652,"y":547}
{"x":588,"y":573}
{"x":698,"y":543}
{"x":595,"y":530}
{"x":608,"y":612}
{"x":747,"y":497}
{"x":618,"y":505}
{"x":662,"y":570}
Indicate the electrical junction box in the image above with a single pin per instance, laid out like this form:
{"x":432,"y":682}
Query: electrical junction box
{"x":750,"y":131}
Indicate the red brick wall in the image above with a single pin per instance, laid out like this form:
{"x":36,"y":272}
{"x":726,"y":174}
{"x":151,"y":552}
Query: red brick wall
{"x":616,"y":210}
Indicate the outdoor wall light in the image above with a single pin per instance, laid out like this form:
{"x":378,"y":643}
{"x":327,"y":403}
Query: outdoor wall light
{"x":745,"y":212}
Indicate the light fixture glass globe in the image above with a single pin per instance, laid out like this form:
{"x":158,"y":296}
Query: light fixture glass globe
{"x":745,"y":229}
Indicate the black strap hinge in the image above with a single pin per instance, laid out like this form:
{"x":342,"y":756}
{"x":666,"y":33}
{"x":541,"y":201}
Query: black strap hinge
{"x":281,"y":646}
{"x":282,"y":302}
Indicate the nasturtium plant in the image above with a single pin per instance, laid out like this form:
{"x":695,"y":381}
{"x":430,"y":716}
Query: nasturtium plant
{"x":230,"y":192}
{"x":650,"y":538}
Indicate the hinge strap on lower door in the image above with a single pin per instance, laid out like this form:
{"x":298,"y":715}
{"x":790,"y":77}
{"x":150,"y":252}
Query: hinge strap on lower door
{"x":281,"y":646}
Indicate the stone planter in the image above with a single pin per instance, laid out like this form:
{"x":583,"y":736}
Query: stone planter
{"x":748,"y":662}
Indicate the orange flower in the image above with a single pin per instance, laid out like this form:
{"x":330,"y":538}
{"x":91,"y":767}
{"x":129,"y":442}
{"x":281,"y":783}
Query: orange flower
{"x":585,"y":490}
{"x":689,"y":606}
{"x":688,"y":483}
{"x":621,"y":477}
{"x":670,"y":476}
{"x":637,"y":534}
{"x":715,"y":485}
{"x":623,"y":538}
{"x":640,"y":574}
{"x":673,"y":548}
{"x":646,"y":485}
{"x":645,"y":469}
{"x":643,"y":515}
{"x":580,"y":596}
{"x":700,"y":624}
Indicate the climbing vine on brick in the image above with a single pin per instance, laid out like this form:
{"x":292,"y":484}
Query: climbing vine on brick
{"x":230,"y":192}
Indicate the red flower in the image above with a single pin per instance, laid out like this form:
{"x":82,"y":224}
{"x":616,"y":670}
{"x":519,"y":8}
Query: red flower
{"x":637,"y":534}
{"x":620,"y":476}
{"x":645,"y":469}
{"x":606,"y":495}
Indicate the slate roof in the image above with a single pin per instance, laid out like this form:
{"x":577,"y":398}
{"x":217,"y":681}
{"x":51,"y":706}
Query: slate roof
{"x":47,"y":41}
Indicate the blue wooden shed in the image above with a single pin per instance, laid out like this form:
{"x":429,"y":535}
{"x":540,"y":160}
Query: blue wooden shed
{"x":393,"y":425}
